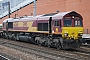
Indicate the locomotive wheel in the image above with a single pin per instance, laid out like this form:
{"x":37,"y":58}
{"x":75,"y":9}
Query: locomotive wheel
{"x":4,"y":35}
{"x":17,"y":37}
{"x":37,"y":39}
{"x":14,"y":37}
{"x":61,"y":43}
{"x":45,"y":44}
{"x":48,"y":46}
{"x":38,"y":42}
{"x":58,"y":46}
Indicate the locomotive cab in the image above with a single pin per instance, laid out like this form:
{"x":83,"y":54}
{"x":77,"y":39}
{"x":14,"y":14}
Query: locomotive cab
{"x":72,"y":26}
{"x":68,"y":27}
{"x":72,"y":30}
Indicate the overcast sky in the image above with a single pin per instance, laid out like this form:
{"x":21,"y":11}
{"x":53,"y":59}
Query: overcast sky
{"x":0,"y":0}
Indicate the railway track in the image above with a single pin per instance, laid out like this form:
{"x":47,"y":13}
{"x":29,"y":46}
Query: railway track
{"x":3,"y":58}
{"x":50,"y":53}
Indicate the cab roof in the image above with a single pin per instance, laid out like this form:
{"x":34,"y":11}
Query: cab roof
{"x":60,"y":15}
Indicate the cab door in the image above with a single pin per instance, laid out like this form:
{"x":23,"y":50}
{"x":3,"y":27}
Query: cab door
{"x":57,"y":26}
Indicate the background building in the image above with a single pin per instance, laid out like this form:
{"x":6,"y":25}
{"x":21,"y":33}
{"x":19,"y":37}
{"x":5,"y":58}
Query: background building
{"x":25,"y":7}
{"x":4,"y":6}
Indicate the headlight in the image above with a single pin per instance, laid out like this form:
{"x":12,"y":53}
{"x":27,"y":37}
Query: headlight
{"x":80,"y":34}
{"x":66,"y":34}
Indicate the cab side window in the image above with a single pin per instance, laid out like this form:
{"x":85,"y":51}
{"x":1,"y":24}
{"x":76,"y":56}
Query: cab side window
{"x":56,"y":23}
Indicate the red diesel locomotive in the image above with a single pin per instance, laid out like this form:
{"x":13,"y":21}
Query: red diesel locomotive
{"x":62,"y":30}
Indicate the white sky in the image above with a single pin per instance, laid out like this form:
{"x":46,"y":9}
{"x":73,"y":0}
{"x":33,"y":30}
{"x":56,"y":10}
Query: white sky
{"x":1,"y":0}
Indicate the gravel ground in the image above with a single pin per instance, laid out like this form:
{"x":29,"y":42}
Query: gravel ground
{"x":19,"y":55}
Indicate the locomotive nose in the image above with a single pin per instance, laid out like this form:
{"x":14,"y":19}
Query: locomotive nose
{"x":72,"y":32}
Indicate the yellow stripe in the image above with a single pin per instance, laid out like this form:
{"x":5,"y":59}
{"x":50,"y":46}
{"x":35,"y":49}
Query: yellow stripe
{"x":45,"y":32}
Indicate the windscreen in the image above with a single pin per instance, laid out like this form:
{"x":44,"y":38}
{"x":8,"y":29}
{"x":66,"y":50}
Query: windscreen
{"x":67,"y":22}
{"x":78,"y":22}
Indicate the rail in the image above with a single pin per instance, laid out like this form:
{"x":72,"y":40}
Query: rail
{"x":3,"y":58}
